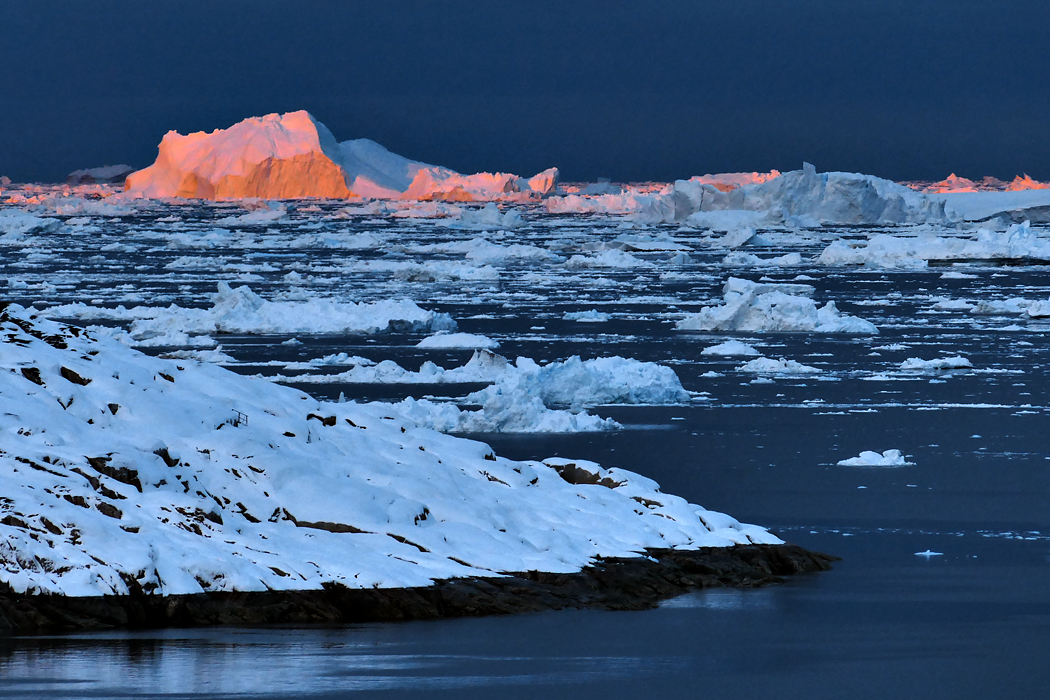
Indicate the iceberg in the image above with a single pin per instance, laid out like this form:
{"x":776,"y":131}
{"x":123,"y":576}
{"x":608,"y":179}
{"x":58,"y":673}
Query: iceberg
{"x":284,"y":156}
{"x":756,"y":307}
{"x":811,"y":198}
{"x":106,"y":175}
{"x":1019,"y":242}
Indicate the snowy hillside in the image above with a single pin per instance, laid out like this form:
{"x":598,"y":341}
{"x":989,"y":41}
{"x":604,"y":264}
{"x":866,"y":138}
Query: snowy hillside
{"x":120,"y":472}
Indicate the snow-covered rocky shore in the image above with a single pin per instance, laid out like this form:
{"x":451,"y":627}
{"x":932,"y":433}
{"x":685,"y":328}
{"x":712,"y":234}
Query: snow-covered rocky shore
{"x":137,"y":490}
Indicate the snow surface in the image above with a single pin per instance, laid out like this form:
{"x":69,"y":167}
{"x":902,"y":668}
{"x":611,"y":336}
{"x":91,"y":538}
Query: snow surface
{"x":764,"y":307}
{"x":867,"y":458}
{"x":124,"y":470}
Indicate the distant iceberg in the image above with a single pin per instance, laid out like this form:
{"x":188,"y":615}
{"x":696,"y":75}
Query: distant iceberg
{"x":106,"y":175}
{"x":808,"y":198}
{"x":283,"y":156}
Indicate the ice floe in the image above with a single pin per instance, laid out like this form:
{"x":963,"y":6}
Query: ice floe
{"x":770,"y":307}
{"x":240,"y":310}
{"x":767,"y":365}
{"x":868,"y":458}
{"x":458,"y":340}
{"x":731,"y":348}
{"x":938,"y":364}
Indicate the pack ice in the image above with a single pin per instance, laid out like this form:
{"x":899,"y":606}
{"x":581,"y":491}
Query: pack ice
{"x":123,"y":472}
{"x":291,"y":155}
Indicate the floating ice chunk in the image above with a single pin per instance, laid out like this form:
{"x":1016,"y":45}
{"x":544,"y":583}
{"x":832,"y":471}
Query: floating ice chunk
{"x":642,"y":207}
{"x":766,"y":365}
{"x":592,"y":316}
{"x":609,"y":258}
{"x":941,"y":363}
{"x":441,"y":184}
{"x":731,"y":348}
{"x":488,"y":218}
{"x":240,"y":310}
{"x":577,"y":383}
{"x":501,"y":414}
{"x":749,"y":260}
{"x":737,"y":237}
{"x":757,"y":307}
{"x":458,"y":340}
{"x":868,"y":458}
{"x":15,"y":223}
{"x":1039,"y":309}
{"x":263,"y":214}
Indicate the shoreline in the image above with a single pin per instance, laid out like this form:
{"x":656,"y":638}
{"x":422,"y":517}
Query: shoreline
{"x":634,"y":583}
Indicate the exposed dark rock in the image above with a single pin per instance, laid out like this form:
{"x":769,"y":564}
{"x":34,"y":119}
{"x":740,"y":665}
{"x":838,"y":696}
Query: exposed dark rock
{"x":124,"y":475}
{"x":634,"y":583}
{"x":579,"y":476}
{"x":73,"y":376}
{"x":33,"y":375}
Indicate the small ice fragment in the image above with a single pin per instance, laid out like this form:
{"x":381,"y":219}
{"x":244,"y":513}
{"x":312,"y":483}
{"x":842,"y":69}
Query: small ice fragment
{"x":868,"y":458}
{"x":292,"y":341}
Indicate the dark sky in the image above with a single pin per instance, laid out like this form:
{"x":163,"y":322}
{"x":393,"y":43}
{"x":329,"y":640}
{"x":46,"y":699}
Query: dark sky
{"x":906,"y":89}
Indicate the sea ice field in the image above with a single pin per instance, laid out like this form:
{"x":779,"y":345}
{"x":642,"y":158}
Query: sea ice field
{"x":875,"y":391}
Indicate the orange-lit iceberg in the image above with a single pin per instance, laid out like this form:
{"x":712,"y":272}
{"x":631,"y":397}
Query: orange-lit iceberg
{"x":283,"y":156}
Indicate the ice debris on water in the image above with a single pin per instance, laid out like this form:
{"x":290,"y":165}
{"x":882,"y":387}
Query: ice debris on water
{"x":869,"y":458}
{"x":764,"y":307}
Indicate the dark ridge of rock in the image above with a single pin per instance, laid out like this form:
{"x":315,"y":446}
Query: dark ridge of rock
{"x":634,"y":583}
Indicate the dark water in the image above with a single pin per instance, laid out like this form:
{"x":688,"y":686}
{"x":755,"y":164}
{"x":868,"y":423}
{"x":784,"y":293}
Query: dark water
{"x":972,"y":621}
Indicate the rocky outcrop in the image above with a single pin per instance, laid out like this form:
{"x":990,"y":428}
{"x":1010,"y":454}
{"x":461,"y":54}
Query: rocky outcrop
{"x":613,"y":584}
